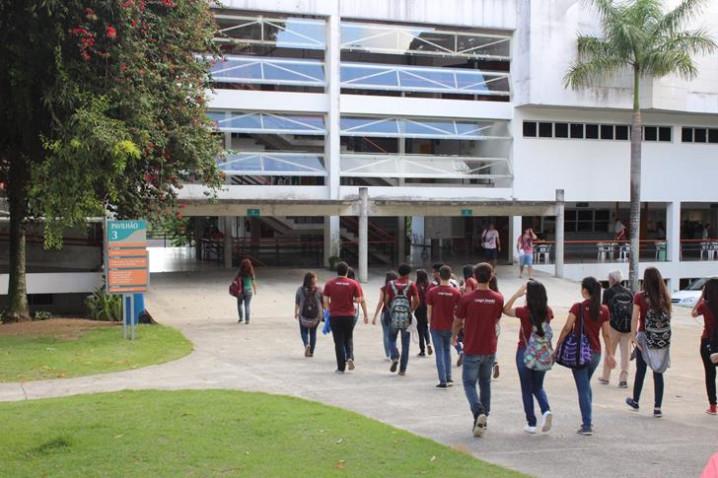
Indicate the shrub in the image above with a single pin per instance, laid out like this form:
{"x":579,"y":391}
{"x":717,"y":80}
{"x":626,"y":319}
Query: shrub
{"x":42,"y":315}
{"x":103,"y":306}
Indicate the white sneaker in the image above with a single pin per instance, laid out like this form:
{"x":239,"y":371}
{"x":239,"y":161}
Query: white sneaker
{"x":480,"y":425}
{"x":546,"y":421}
{"x":530,"y":430}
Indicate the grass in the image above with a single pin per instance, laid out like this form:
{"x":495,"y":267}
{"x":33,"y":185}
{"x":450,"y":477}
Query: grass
{"x":26,"y":358}
{"x":214,"y":433}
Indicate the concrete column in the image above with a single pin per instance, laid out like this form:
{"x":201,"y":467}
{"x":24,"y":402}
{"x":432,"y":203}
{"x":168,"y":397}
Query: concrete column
{"x":559,"y":246}
{"x":417,"y":241}
{"x":332,"y":238}
{"x":363,"y":235}
{"x":227,"y":221}
{"x":332,"y":139}
{"x":515,"y":229}
{"x":401,"y":239}
{"x":673,"y":238}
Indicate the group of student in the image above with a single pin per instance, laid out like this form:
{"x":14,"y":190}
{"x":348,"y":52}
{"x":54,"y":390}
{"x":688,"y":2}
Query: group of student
{"x":465,"y":315}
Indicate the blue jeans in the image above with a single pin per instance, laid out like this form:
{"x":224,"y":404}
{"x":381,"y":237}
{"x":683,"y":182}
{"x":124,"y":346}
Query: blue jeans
{"x":531,"y":386}
{"x":405,"y":340}
{"x":243,"y":302}
{"x":477,"y":368}
{"x":582,"y":377}
{"x":442,"y":350}
{"x":309,"y":336}
{"x":386,"y":331}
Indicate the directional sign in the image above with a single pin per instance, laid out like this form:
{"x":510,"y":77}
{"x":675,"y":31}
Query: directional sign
{"x":126,"y":255}
{"x":253,"y":212}
{"x":467,"y":212}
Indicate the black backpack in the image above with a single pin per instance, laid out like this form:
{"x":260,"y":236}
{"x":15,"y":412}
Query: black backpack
{"x":621,"y":308}
{"x":310,"y":307}
{"x":658,"y":329}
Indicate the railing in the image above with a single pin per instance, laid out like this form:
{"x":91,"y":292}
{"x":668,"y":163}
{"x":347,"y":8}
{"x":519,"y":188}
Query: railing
{"x":272,"y":164}
{"x":274,"y":71}
{"x":268,"y":123}
{"x":699,"y":249}
{"x":289,"y":32}
{"x":424,"y":166}
{"x":396,"y":127}
{"x":600,"y":251}
{"x":305,"y":250}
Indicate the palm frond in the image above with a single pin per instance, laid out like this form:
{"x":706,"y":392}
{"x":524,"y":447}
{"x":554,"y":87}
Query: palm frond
{"x":660,"y":64}
{"x":589,"y":73}
{"x":687,"y":10}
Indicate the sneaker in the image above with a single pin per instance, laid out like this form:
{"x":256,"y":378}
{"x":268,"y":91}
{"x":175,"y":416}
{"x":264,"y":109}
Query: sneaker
{"x":460,"y":360}
{"x":585,"y":431}
{"x":546,"y":421}
{"x":307,"y":351}
{"x":340,"y":372}
{"x":632,"y":403}
{"x":394,"y":365}
{"x":712,"y":410}
{"x":496,"y":371}
{"x":449,"y":383}
{"x":657,"y":413}
{"x":246,"y":322}
{"x":311,"y":354}
{"x":421,"y":354}
{"x":602,"y":381}
{"x":529,"y":429}
{"x":480,"y":425}
{"x":623,"y":385}
{"x":442,"y":385}
{"x":350,"y":364}
{"x":239,"y":321}
{"x":402,"y":372}
{"x":429,"y":349}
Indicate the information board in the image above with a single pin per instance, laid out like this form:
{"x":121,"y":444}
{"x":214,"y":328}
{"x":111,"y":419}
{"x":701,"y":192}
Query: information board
{"x":126,"y":256}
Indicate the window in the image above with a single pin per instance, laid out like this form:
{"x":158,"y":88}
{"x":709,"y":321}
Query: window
{"x":621,"y":131}
{"x":577,"y":130}
{"x":664,"y":134}
{"x":591,"y":131}
{"x":561,"y":130}
{"x":699,"y":135}
{"x":650,"y":133}
{"x":545,"y":130}
{"x":713,"y":135}
{"x":687,"y":135}
{"x":587,"y":220}
{"x":606,"y":131}
{"x":530,"y":129}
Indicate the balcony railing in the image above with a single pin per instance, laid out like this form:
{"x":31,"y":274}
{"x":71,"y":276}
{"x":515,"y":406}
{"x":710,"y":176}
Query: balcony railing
{"x":394,"y":127}
{"x":273,"y":71}
{"x":421,"y":166}
{"x":288,"y":32}
{"x":272,"y":164}
{"x":268,"y":123}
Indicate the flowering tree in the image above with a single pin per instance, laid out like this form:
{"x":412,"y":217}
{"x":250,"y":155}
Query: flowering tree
{"x":102,"y":104}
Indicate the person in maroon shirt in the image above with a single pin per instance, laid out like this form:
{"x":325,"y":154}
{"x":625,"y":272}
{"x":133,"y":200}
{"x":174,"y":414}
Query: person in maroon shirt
{"x":403,"y":286}
{"x":477,"y":313}
{"x":594,"y":316}
{"x":340,"y":294}
{"x":441,"y":301}
{"x":708,"y":308}
{"x":535,"y":315}
{"x":381,"y":309}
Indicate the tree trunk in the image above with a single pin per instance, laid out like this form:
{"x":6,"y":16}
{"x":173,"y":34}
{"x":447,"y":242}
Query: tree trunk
{"x":635,"y":218}
{"x":17,"y":307}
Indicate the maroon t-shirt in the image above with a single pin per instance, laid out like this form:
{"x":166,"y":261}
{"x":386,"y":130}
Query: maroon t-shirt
{"x":709,"y":321}
{"x":443,"y":300}
{"x":523,"y":314}
{"x":400,"y":284}
{"x":342,"y":291}
{"x":592,"y":328}
{"x":480,"y":309}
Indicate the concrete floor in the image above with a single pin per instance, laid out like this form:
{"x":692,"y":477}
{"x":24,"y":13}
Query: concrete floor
{"x":268,"y":356}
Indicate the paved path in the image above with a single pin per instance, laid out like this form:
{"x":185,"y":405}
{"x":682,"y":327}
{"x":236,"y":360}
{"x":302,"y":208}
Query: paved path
{"x":267,"y":356}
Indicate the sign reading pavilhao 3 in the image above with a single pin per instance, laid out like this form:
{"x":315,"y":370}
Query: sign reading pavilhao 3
{"x":126,"y":256}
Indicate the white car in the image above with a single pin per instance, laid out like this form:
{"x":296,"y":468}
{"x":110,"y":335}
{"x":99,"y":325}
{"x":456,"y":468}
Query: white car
{"x":690,"y":295}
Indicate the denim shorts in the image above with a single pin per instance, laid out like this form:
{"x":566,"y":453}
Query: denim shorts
{"x":526,"y":260}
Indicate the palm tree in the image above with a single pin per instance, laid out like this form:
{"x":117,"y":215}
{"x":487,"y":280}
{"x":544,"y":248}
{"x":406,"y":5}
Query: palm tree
{"x":638,"y":36}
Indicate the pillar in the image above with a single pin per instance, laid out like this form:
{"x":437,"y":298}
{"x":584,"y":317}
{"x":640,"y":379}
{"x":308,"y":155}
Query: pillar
{"x":401,"y":238}
{"x":673,"y":238}
{"x":515,"y":229}
{"x":417,"y":241}
{"x":363,"y":235}
{"x":332,"y":238}
{"x":228,"y":249}
{"x":560,"y":231}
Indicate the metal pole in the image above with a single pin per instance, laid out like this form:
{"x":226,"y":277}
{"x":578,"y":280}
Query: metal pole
{"x":560,"y":216}
{"x":363,"y":235}
{"x":124,"y":316}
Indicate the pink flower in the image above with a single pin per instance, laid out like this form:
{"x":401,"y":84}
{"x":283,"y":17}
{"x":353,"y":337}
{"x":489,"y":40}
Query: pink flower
{"x":168,"y":3}
{"x":110,"y":32}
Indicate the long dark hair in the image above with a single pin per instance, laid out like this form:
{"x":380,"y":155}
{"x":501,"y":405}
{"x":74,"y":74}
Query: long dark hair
{"x":593,"y":287}
{"x":390,"y":276}
{"x":710,"y":295}
{"x":537,"y":303}
{"x":468,"y":271}
{"x":422,"y":278}
{"x":308,"y":278}
{"x":656,"y":291}
{"x":351,"y":274}
{"x":494,"y":283}
{"x":246,"y":269}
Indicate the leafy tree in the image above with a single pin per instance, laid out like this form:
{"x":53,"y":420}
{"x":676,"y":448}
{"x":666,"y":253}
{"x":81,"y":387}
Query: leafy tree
{"x":102,"y":104}
{"x":640,"y":37}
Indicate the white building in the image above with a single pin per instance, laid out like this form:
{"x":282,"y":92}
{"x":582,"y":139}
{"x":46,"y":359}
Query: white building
{"x":453,"y":113}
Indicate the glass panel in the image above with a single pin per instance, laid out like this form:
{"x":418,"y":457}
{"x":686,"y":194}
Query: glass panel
{"x":650,"y":133}
{"x":545,"y":130}
{"x":621,"y":131}
{"x":687,"y":135}
{"x":361,"y":126}
{"x":273,"y":163}
{"x":296,"y":72}
{"x":591,"y":131}
{"x":561,"y":130}
{"x":441,"y":128}
{"x":237,"y":68}
{"x":606,"y":131}
{"x":264,"y":122}
{"x":530,"y":129}
{"x":577,"y":130}
{"x":420,"y":128}
{"x":699,"y":135}
{"x":281,"y":32}
{"x":241,"y":162}
{"x":664,"y":133}
{"x":426,"y":79}
{"x":246,"y":121}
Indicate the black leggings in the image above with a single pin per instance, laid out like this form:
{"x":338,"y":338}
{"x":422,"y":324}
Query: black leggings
{"x":710,"y":370}
{"x":422,"y":326}
{"x":343,"y":331}
{"x":641,"y":368}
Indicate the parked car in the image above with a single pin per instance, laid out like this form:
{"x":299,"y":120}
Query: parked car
{"x":688,"y":296}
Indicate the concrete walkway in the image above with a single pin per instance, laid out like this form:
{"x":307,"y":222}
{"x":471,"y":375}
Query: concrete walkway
{"x":268,"y":356}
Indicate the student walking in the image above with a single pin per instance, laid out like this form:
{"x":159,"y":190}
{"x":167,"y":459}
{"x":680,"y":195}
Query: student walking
{"x":384,"y":311}
{"x":308,"y":311}
{"x":525,"y":248}
{"x":535,"y":317}
{"x":619,"y":301}
{"x":491,"y":242}
{"x":248,"y":289}
{"x":651,"y":332}
{"x":422,"y":324}
{"x":590,"y":319}
{"x":441,"y":303}
{"x":340,"y":294}
{"x":708,"y":308}
{"x":402,"y":299}
{"x":477,"y":313}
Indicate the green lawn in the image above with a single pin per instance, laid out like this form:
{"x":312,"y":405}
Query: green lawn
{"x":214,"y":433}
{"x":24,"y":358}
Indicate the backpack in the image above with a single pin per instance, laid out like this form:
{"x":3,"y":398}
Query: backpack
{"x":400,"y":307}
{"x":658,"y":329}
{"x":621,"y":308}
{"x":539,"y":350}
{"x":310,"y":305}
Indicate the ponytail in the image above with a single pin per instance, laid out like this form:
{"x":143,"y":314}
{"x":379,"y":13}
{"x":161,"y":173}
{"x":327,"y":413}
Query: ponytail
{"x":593,"y":287}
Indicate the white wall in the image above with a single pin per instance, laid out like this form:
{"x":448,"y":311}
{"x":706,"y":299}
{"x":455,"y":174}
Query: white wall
{"x":57,"y":283}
